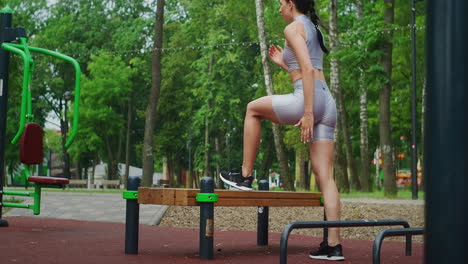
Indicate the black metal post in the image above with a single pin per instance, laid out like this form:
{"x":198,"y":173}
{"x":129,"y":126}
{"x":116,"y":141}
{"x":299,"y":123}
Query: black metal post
{"x":392,"y":232}
{"x":446,"y":130}
{"x":262,"y":217}
{"x":5,"y":23}
{"x":206,"y":220}
{"x":325,"y":229}
{"x":132,"y":218}
{"x":414,"y":104}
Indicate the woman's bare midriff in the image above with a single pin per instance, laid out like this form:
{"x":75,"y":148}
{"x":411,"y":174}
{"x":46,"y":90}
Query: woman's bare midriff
{"x":297,"y":75}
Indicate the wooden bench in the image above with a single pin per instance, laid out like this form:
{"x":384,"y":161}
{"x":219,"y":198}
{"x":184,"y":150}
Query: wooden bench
{"x":188,"y":197}
{"x":77,"y":183}
{"x":107,"y":184}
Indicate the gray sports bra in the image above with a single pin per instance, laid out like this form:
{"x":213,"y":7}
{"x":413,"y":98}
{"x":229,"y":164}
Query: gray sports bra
{"x":313,"y":45}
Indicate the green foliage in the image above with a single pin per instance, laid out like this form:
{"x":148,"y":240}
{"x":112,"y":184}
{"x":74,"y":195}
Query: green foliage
{"x":211,"y":68}
{"x":104,"y":95}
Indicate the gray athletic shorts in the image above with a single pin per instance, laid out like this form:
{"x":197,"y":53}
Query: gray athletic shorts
{"x":289,"y":109}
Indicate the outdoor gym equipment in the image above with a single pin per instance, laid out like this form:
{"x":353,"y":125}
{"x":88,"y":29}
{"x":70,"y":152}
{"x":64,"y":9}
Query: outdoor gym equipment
{"x":346,"y":223}
{"x":29,"y":134}
{"x":392,"y":232}
{"x":207,"y":198}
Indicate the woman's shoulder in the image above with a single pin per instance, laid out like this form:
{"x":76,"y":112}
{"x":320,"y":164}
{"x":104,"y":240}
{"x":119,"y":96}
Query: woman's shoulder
{"x":295,"y":27}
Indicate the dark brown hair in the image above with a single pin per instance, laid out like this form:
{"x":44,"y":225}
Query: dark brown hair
{"x":307,"y":7}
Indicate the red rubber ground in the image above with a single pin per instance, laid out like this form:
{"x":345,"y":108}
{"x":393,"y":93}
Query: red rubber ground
{"x":42,"y":240}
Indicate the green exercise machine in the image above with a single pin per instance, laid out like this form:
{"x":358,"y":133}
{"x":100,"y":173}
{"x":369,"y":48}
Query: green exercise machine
{"x":29,"y":134}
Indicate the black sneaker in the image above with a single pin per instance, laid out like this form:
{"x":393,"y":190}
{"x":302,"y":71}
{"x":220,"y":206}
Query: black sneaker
{"x":325,"y":252}
{"x":235,"y":179}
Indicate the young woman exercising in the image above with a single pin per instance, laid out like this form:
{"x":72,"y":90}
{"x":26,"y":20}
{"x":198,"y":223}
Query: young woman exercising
{"x":311,"y":107}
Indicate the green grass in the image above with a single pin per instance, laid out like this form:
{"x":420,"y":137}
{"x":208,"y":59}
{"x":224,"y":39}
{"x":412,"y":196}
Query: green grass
{"x":404,"y":194}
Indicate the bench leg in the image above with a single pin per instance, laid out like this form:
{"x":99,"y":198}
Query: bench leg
{"x":262,"y":217}
{"x":132,"y":219}
{"x":206,"y":220}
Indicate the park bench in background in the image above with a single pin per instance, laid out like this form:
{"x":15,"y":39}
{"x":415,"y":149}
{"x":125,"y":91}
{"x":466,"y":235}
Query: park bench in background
{"x":74,"y":183}
{"x":98,"y":184}
{"x":107,"y":184}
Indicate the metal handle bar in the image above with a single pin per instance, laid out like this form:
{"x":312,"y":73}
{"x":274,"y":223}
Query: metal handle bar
{"x":76,"y":65}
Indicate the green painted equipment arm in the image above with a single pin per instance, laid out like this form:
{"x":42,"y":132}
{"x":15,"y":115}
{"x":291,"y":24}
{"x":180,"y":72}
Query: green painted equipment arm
{"x":76,"y":104}
{"x":25,"y":90}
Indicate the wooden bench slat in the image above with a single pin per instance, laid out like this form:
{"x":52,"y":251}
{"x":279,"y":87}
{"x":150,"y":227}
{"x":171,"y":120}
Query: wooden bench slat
{"x":255,"y":202}
{"x":186,"y":197}
{"x":244,"y":194}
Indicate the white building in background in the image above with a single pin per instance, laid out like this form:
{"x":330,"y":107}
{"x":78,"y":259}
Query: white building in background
{"x":100,"y":173}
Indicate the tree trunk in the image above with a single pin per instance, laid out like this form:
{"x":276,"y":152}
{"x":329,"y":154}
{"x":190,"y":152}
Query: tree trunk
{"x":301,"y":169}
{"x":207,"y":142}
{"x":365,"y":179}
{"x":127,"y":143}
{"x":311,"y":180}
{"x":299,"y":160}
{"x":110,"y":160}
{"x":268,"y":160}
{"x":277,"y":135}
{"x":170,"y":172}
{"x":176,"y":172}
{"x":340,"y":172}
{"x":218,"y":180}
{"x":150,"y":120}
{"x":190,"y":176}
{"x":338,"y":94}
{"x":118,"y":158}
{"x":421,"y":152}
{"x":390,"y":188}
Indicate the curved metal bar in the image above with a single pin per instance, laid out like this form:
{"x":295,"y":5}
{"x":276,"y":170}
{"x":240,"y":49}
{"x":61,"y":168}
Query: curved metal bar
{"x":391,"y":232}
{"x":328,"y":224}
{"x":76,"y":104}
{"x":29,"y":116}
{"x":24,"y":92}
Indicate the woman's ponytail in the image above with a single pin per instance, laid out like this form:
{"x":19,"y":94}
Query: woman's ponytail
{"x":316,"y":20}
{"x":308,"y":7}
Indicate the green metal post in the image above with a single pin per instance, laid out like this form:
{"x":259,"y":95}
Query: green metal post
{"x":37,"y":199}
{"x":24,"y":91}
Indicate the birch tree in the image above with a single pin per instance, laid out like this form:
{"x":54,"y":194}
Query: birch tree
{"x":277,"y":135}
{"x":364,"y":177}
{"x":336,"y":90}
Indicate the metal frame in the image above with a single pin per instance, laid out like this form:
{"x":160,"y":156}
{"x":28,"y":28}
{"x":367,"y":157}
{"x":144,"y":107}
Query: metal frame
{"x":392,"y":232}
{"x":329,"y":224}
